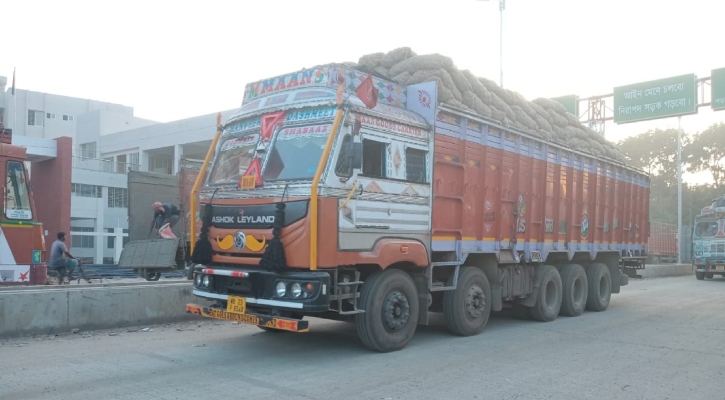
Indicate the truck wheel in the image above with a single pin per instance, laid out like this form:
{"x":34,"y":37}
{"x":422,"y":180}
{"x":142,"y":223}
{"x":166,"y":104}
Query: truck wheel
{"x":152,"y":276}
{"x":548,"y":301}
{"x":574,"y":283}
{"x":600,"y":287}
{"x":699,"y":275}
{"x":390,"y":301}
{"x":467,"y":308}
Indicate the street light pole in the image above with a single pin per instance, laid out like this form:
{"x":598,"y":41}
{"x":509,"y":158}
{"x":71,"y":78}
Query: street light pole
{"x":501,"y":7}
{"x":679,"y":190}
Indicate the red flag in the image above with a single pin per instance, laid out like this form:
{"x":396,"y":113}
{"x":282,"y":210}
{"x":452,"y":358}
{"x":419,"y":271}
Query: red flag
{"x":13,"y":81}
{"x":268,"y":123}
{"x":367,"y":92}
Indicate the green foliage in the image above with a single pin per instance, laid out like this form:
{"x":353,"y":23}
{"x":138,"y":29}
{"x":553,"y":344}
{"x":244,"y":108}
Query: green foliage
{"x":655,"y":152}
{"x":707,"y":153}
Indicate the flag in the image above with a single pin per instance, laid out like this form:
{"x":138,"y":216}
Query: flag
{"x":13,"y":91}
{"x":367,"y":92}
{"x":253,"y":177}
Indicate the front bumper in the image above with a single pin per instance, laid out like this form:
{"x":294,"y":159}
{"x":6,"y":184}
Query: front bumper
{"x":258,"y":287}
{"x":267,"y":321}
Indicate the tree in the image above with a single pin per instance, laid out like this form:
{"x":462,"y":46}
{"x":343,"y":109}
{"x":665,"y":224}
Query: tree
{"x":706,"y":152}
{"x":655,"y":151}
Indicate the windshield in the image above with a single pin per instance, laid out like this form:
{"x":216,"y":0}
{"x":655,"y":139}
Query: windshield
{"x":235,"y":155}
{"x":296,"y":153}
{"x":708,"y":228}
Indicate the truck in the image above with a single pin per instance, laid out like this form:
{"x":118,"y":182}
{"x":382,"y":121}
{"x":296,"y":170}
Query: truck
{"x":22,"y":239}
{"x":146,"y":253}
{"x":708,"y":240}
{"x":336,"y":193}
{"x":662,"y":243}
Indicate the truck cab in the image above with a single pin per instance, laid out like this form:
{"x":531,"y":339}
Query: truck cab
{"x":709,"y":241}
{"x":22,"y":243}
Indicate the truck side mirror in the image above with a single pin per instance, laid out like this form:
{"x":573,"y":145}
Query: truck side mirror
{"x":356,"y":155}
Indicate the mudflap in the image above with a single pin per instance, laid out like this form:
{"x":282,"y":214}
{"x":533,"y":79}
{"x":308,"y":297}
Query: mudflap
{"x":266,"y":321}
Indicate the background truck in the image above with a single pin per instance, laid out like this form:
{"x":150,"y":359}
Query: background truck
{"x":146,"y":253}
{"x":335,"y":192}
{"x":662,"y":243}
{"x":708,"y":240}
{"x":22,"y":239}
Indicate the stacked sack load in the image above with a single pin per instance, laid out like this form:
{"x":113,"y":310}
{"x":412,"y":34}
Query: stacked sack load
{"x":544,"y":118}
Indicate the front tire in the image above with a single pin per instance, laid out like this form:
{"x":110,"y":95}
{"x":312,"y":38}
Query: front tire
{"x":468,"y":307}
{"x":574,"y":281}
{"x":700,"y":275}
{"x":548,"y":300}
{"x":390,"y":301}
{"x":600,"y":287}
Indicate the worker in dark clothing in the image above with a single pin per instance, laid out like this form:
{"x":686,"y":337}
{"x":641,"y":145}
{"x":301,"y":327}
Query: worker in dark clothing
{"x":163,"y":214}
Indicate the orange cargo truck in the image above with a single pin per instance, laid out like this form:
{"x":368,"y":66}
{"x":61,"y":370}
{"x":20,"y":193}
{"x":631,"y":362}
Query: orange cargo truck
{"x":337,"y":194}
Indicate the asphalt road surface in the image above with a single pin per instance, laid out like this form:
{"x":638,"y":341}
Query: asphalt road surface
{"x":659,"y":339}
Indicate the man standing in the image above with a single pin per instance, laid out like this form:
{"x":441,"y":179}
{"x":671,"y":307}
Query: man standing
{"x":61,"y":260}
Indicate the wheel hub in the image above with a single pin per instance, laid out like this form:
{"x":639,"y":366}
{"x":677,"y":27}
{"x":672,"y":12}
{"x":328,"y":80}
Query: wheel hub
{"x":396,"y":311}
{"x":475,"y":301}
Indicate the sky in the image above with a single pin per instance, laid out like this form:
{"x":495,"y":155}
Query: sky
{"x":174,"y":60}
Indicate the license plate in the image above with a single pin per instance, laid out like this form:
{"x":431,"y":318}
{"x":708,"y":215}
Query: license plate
{"x":720,"y":267}
{"x":237,"y":305}
{"x":249,"y":182}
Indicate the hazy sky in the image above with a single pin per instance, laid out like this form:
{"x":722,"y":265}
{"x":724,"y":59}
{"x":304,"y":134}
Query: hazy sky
{"x":172,"y":60}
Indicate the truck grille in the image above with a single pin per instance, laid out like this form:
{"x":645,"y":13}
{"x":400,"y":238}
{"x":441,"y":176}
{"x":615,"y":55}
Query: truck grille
{"x":717,"y":248}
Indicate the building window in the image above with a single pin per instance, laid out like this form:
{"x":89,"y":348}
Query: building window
{"x":415,"y":165}
{"x":133,"y":161}
{"x":35,"y":118}
{"x":68,"y":118}
{"x":374,"y":158}
{"x":83,"y":190}
{"x":88,"y":150}
{"x":117,"y":197}
{"x":107,"y":260}
{"x":161,"y":164}
{"x":50,"y":115}
{"x":108,"y":164}
{"x":125,"y":238}
{"x":82,"y":241}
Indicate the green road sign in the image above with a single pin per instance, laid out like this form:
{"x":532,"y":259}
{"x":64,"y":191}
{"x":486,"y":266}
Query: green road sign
{"x":662,"y":98}
{"x":571,"y":103}
{"x":717,"y":85}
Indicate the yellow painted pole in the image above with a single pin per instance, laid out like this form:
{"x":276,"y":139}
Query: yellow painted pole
{"x":200,"y":179}
{"x":318,"y":175}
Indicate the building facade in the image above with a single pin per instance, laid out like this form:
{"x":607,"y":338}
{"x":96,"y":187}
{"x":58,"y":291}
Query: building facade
{"x":108,"y":141}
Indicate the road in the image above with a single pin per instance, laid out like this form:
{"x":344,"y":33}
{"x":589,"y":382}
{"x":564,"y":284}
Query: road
{"x":659,"y":339}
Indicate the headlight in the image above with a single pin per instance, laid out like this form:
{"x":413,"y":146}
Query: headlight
{"x":296,"y":290}
{"x":281,"y":289}
{"x":197,"y":280}
{"x":206,"y":281}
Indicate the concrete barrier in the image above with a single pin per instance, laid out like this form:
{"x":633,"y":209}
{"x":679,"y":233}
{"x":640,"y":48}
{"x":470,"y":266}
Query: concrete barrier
{"x":35,"y":312}
{"x":664,"y":270}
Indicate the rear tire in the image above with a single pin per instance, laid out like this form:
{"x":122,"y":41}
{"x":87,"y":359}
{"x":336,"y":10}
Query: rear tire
{"x":574,"y":282}
{"x":468,"y":307}
{"x":700,"y":275}
{"x":390,"y":301}
{"x":600,"y":287}
{"x":549,"y":295}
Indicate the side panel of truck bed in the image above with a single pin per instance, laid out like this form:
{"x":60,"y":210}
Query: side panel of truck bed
{"x":495,"y":189}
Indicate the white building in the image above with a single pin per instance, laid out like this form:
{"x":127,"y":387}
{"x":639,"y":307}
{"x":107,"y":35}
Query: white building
{"x":108,"y":141}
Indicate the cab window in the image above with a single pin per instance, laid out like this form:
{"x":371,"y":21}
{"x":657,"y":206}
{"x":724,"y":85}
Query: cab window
{"x":17,"y":198}
{"x":374,"y":158}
